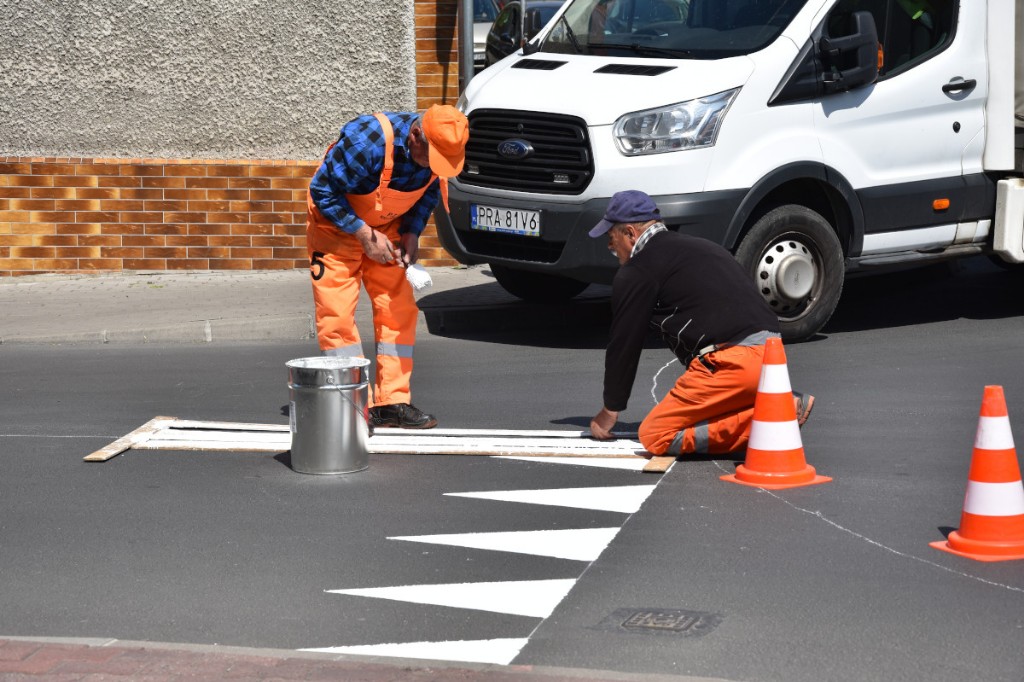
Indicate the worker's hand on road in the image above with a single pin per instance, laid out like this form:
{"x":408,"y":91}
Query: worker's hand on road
{"x":376,"y":246}
{"x":410,"y":249}
{"x":602,"y":424}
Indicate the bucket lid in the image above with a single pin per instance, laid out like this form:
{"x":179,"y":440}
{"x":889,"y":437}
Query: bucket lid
{"x":327,"y":362}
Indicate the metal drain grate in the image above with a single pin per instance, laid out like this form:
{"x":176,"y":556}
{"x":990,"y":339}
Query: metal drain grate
{"x":677,"y":622}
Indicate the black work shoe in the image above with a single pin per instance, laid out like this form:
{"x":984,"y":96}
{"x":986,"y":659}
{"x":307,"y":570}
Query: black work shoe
{"x":804,"y":404}
{"x":402,"y":416}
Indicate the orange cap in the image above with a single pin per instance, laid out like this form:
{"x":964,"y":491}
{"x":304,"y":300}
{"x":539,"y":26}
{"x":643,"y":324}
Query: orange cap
{"x":447,"y":131}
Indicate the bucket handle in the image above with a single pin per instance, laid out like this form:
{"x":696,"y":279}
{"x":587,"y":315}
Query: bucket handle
{"x":362,"y":413}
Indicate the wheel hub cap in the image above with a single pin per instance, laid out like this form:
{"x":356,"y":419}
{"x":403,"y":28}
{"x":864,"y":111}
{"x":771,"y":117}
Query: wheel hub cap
{"x":785,"y":275}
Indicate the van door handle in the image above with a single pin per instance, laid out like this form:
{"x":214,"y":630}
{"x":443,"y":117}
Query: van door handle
{"x":958,"y":84}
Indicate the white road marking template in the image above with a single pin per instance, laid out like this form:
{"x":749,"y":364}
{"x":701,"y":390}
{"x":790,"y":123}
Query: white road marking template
{"x":170,"y":433}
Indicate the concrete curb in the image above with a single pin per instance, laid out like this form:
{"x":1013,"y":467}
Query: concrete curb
{"x":251,"y":307}
{"x":290,"y":328}
{"x":385,"y":667}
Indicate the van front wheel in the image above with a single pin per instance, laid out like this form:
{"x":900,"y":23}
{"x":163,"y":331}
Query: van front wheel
{"x":537,"y":287}
{"x":796,"y":261}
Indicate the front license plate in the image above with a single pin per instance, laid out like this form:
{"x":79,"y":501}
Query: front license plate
{"x":508,"y":220}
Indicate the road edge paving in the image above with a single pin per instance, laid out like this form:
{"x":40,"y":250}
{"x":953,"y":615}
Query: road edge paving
{"x":53,"y":657}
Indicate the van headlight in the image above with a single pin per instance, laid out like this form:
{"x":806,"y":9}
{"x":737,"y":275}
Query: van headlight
{"x":687,"y":125}
{"x":463,"y":103}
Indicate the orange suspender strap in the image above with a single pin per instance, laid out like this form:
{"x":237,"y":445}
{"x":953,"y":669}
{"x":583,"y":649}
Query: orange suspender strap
{"x":389,"y":164}
{"x":389,"y":159}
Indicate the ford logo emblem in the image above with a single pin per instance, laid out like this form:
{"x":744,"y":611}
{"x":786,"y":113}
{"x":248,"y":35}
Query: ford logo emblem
{"x":515,"y":149}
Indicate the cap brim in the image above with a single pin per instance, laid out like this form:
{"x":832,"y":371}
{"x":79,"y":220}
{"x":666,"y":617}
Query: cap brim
{"x":442,"y":166}
{"x":601,"y":228}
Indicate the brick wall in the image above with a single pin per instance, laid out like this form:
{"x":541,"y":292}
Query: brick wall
{"x":91,"y":215}
{"x":135,"y":214}
{"x":437,"y":52}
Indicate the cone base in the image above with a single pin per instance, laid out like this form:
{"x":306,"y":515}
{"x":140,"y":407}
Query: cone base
{"x":1001,"y":552}
{"x":795,"y":479}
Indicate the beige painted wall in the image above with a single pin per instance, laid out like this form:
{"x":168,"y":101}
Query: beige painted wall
{"x":198,"y":79}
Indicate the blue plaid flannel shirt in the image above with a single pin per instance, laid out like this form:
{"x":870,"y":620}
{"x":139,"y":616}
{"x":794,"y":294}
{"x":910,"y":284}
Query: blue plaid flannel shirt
{"x":354,"y":166}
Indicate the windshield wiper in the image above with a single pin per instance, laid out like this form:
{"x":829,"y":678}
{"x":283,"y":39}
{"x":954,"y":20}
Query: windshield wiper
{"x":572,"y":35}
{"x":645,"y":49}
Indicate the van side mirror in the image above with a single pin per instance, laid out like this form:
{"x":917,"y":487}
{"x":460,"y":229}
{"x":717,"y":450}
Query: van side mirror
{"x":851,"y":60}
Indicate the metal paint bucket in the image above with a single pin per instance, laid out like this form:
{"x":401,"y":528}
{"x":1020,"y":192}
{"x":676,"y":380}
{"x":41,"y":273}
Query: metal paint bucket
{"x":329,"y":416}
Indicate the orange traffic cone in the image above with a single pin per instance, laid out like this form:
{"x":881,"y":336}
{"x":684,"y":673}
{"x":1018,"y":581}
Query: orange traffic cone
{"x":992,"y":523}
{"x":775,"y":453}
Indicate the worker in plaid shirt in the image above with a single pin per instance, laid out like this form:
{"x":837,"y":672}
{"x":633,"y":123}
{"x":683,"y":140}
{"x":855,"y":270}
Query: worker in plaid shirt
{"x":354,"y":164}
{"x":366,"y":207}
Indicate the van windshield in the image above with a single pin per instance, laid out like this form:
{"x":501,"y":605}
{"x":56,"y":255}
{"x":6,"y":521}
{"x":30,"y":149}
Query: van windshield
{"x":684,"y":29}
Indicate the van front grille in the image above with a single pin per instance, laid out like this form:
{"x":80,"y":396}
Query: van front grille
{"x":550,"y":153}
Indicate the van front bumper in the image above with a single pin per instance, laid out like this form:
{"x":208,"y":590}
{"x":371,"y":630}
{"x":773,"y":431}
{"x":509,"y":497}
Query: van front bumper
{"x":564,"y":247}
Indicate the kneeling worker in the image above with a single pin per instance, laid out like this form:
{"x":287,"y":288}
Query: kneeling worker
{"x":366,"y":207}
{"x":708,"y":312}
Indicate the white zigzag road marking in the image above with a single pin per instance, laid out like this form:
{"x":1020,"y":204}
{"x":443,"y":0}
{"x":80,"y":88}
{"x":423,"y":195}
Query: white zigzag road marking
{"x":626,"y":499}
{"x":494,"y":651}
{"x":583,"y":544}
{"x":534,"y":598}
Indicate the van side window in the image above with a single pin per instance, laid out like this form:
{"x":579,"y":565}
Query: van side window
{"x":910,"y":31}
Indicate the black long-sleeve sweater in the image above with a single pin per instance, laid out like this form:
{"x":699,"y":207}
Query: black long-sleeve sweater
{"x":691,"y":290}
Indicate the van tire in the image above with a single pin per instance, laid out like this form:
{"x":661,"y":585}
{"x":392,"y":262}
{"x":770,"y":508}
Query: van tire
{"x":796,"y":261}
{"x":537,"y":287}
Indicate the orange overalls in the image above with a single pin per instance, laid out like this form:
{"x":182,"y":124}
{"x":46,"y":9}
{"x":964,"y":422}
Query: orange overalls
{"x":711,"y":408}
{"x":708,"y":412}
{"x":338,"y":265}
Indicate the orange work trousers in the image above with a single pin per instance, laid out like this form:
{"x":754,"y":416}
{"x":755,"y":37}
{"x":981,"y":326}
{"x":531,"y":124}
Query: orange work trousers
{"x":339,"y":267}
{"x":707,"y":412}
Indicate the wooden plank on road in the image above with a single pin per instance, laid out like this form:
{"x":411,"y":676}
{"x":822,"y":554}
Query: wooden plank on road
{"x":133,"y":439}
{"x":659,"y":465}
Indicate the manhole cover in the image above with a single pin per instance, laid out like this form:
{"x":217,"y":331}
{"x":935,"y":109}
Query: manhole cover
{"x":677,"y":622}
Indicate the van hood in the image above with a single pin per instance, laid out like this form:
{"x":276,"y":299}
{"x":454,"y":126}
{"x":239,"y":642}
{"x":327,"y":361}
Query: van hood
{"x":575,"y":88}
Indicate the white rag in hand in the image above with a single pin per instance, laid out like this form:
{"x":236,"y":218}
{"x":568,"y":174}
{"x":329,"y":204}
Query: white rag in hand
{"x":418,"y":277}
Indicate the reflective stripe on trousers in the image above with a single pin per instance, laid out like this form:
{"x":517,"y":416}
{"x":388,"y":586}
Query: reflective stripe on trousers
{"x":354,"y":350}
{"x":700,"y":436}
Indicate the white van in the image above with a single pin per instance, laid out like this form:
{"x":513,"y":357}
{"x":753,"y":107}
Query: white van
{"x":810,"y":137}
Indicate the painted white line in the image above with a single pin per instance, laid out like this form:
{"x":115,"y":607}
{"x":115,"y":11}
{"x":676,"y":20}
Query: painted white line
{"x":584,"y":544}
{"x":212,"y":445}
{"x":486,"y":445}
{"x":497,"y":433}
{"x":626,"y":499}
{"x":626,"y":463}
{"x":494,"y":651}
{"x":534,"y":598}
{"x":875,"y":543}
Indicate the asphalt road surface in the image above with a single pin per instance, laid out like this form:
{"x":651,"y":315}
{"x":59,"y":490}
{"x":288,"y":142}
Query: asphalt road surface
{"x":681,"y":573}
